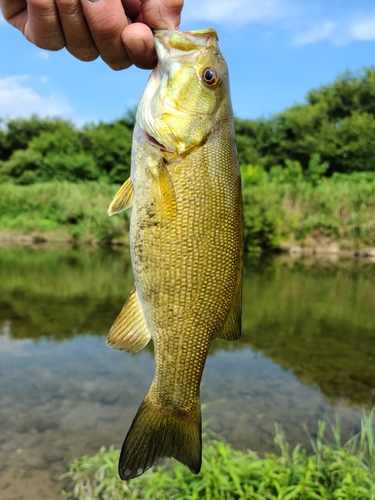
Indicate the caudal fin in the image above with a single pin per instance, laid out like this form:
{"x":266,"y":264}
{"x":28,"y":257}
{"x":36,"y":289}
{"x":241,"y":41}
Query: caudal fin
{"x":159,"y":432}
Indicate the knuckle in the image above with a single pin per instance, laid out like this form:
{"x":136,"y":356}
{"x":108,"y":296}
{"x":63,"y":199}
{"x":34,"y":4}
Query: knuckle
{"x":40,"y":5}
{"x":107,"y":28}
{"x":70,"y":7}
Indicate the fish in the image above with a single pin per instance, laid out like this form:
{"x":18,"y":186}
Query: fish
{"x":186,"y":243}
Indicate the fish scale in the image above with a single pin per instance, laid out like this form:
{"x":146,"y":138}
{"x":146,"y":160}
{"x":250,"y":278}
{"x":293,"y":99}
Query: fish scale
{"x":186,"y":240}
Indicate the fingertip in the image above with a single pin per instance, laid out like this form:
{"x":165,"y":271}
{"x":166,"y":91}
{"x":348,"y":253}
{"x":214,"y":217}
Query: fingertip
{"x":139,"y":44}
{"x":85,"y":55}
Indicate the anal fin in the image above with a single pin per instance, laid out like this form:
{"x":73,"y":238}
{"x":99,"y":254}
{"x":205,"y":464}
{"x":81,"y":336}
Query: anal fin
{"x":129,"y":332}
{"x":232,"y":326}
{"x":123,"y":198}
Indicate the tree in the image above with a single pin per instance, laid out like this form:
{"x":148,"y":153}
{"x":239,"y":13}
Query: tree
{"x":51,"y":155}
{"x":17,"y":133}
{"x":337,"y":123}
{"x":109,"y":144}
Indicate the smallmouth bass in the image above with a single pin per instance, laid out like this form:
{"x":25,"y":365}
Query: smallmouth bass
{"x":186,"y":240}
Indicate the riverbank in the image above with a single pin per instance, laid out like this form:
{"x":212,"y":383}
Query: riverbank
{"x":60,"y":212}
{"x":335,"y":216}
{"x":331,"y":470}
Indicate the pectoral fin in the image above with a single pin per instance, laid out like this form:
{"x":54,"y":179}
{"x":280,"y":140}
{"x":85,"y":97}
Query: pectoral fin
{"x":163,"y":189}
{"x":129,"y":332}
{"x":123,"y":198}
{"x":232,"y":326}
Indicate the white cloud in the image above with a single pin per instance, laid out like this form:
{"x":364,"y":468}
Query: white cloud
{"x":238,"y":11}
{"x":364,"y":29}
{"x":19,"y":99}
{"x":307,"y":21}
{"x":44,"y":54}
{"x":316,"y":33}
{"x":340,"y":32}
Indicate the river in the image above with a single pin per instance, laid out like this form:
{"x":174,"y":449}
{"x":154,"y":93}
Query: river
{"x":307,"y":351}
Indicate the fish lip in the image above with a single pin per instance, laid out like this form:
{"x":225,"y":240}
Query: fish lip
{"x":197,"y":38}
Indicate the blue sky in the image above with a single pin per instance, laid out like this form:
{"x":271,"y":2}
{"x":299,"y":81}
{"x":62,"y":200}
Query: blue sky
{"x":276,"y":51}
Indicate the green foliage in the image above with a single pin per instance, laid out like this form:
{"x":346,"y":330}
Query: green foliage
{"x":41,"y":150}
{"x":72,"y":211}
{"x":263,"y":218}
{"x":285,"y":204}
{"x":294,"y":204}
{"x":315,"y":169}
{"x":110,"y":147}
{"x":337,"y":122}
{"x":332,"y":132}
{"x":332,"y":471}
{"x":55,"y":154}
{"x":17,"y":133}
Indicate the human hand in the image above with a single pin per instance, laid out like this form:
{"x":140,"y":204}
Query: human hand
{"x":119,"y":31}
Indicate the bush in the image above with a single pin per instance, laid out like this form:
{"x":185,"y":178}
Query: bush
{"x":331,"y":471}
{"x":69,"y":210}
{"x":291,"y":204}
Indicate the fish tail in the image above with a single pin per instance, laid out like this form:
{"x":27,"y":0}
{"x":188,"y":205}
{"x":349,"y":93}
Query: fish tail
{"x":157,"y":432}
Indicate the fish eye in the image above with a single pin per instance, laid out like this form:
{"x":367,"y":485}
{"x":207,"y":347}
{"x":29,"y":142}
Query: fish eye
{"x":210,"y":77}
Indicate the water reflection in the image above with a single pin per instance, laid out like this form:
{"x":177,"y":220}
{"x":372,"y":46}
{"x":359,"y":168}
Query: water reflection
{"x":307,"y":348}
{"x":316,"y":319}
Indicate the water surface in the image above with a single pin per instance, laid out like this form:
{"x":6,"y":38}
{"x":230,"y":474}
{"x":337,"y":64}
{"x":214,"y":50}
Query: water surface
{"x":308,"y":348}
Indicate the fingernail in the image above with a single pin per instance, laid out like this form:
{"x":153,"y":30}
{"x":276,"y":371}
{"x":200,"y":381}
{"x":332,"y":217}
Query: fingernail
{"x":135,"y":45}
{"x":94,"y":1}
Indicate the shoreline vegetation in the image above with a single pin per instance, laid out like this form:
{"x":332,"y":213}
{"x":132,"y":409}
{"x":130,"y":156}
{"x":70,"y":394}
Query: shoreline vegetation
{"x":334,"y":216}
{"x":308,"y":176}
{"x":330,"y":470}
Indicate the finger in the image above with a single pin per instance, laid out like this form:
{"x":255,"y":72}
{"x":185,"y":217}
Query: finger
{"x":38,"y":21}
{"x":106,"y":21}
{"x":162,"y":14}
{"x":139,"y":43}
{"x":15,"y":12}
{"x":131,"y":7}
{"x":78,"y":39}
{"x":43,"y":27}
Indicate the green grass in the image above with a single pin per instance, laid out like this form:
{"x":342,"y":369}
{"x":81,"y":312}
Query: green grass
{"x":332,"y":471}
{"x":279,"y":210}
{"x":61,"y":210}
{"x":341,"y":209}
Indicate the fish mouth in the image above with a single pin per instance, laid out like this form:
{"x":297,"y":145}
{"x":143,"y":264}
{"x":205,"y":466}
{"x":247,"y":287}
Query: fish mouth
{"x":185,"y":41}
{"x":149,"y":138}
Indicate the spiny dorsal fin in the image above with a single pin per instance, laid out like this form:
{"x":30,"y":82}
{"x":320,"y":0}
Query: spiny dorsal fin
{"x":163,"y":189}
{"x":232,"y":326}
{"x":123,"y":198}
{"x":129,"y":332}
